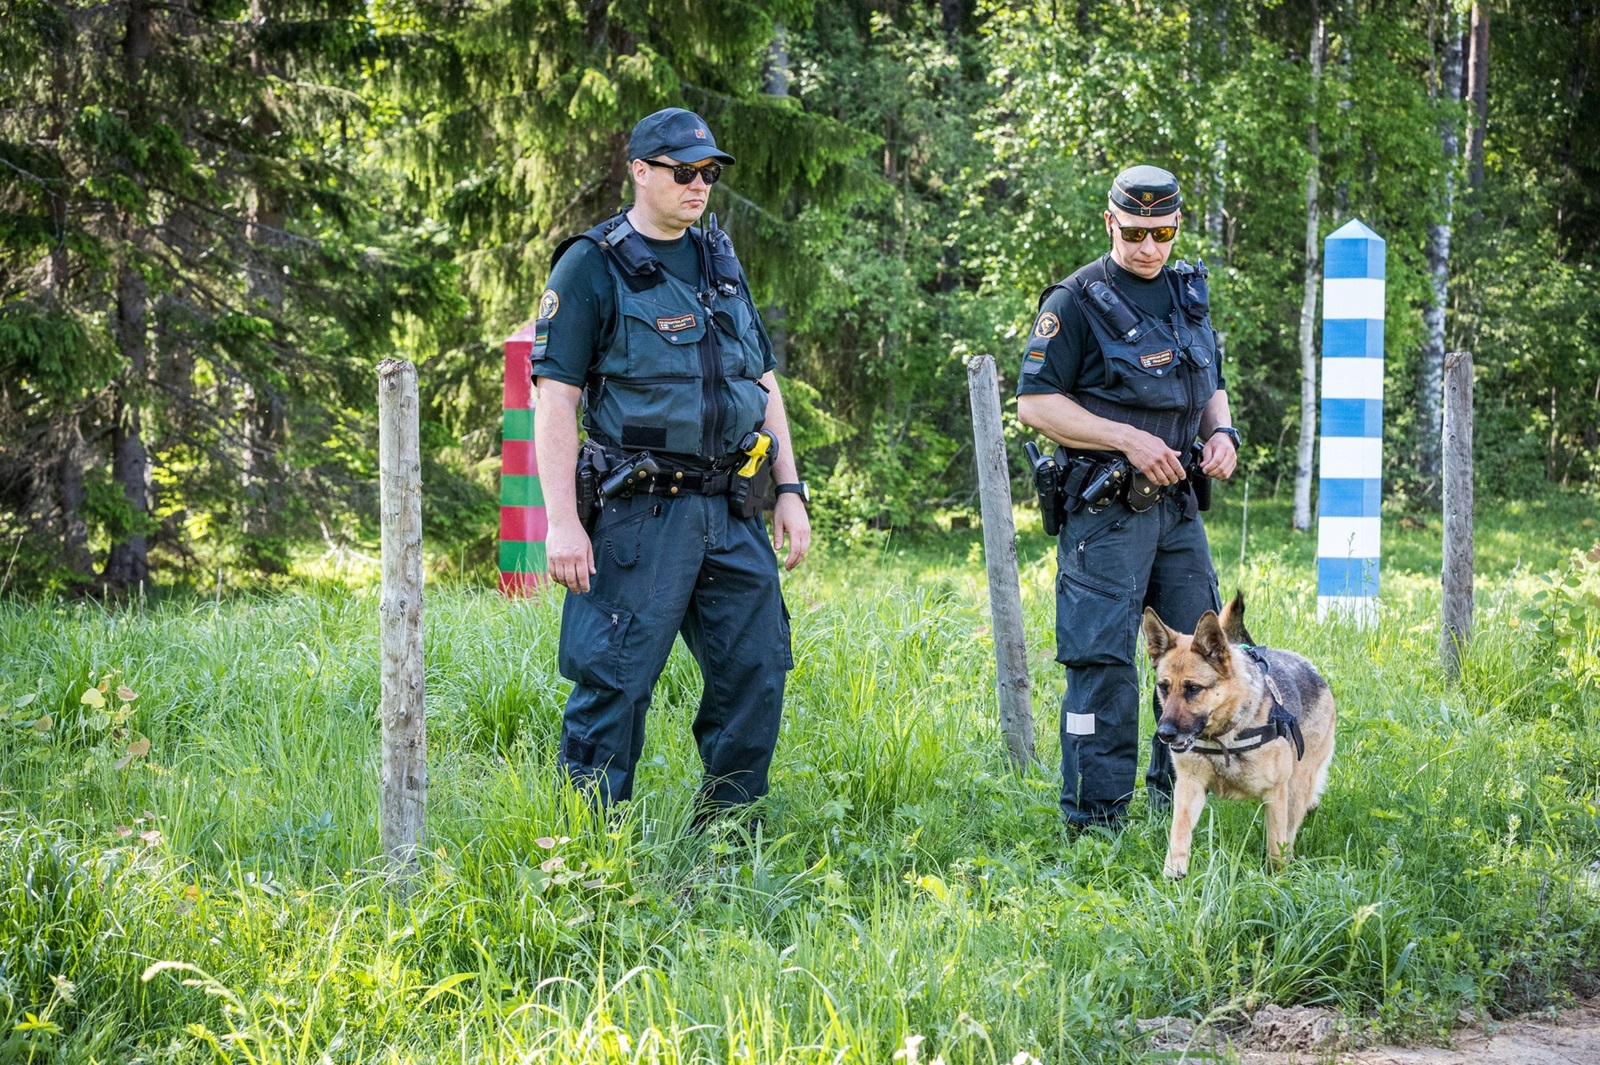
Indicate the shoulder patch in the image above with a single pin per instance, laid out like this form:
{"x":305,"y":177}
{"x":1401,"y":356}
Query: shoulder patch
{"x":549,"y":303}
{"x":1047,"y":325}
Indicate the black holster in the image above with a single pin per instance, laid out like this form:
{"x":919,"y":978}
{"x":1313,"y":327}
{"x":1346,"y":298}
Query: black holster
{"x":1047,"y":483}
{"x":749,"y":496}
{"x":592,"y":468}
{"x":1199,"y":481}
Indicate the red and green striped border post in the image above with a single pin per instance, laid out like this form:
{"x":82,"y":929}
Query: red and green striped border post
{"x":522,"y":520}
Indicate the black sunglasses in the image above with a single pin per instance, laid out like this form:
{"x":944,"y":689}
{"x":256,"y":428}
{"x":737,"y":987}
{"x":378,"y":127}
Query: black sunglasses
{"x":684,"y":173}
{"x":1136,"y":234}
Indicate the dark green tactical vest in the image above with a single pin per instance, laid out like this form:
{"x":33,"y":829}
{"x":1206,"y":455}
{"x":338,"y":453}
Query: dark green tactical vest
{"x":682,"y":373}
{"x":1159,"y":374}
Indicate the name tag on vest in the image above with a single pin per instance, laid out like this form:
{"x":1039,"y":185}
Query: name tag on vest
{"x":1160,"y":358}
{"x":674,"y":325}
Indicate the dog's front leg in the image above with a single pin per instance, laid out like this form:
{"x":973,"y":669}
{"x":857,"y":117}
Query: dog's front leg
{"x":1187,"y":802}
{"x":1279,"y":837}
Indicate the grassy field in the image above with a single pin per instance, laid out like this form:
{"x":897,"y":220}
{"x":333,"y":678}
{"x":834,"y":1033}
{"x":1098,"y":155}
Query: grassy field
{"x":188,"y":871}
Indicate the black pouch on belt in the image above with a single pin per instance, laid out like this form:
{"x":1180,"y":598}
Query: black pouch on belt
{"x":1142,"y":493}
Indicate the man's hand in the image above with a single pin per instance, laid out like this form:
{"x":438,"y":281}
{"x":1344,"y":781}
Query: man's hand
{"x":789,"y":519}
{"x":569,"y":555}
{"x":1217,"y":457}
{"x":1154,"y":458}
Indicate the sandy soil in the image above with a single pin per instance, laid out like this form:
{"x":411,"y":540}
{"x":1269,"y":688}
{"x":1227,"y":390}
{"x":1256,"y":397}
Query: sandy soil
{"x":1303,"y":1036}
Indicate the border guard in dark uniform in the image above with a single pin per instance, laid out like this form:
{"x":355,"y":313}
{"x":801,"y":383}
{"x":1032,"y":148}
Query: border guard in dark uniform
{"x":1121,"y":370}
{"x":650,"y":324}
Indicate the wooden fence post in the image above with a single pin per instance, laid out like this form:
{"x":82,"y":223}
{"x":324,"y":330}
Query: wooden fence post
{"x":404,"y":781}
{"x":1455,"y":574}
{"x":1000,"y":554}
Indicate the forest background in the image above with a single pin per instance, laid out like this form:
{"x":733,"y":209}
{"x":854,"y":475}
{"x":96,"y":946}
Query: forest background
{"x":216,"y":216}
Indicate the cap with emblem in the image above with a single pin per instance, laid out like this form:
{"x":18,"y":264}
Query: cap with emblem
{"x":1146,"y":191}
{"x":682,"y":135}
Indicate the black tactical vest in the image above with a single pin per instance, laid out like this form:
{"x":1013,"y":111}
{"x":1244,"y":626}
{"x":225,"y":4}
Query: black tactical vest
{"x":1159,"y":374}
{"x":681,"y":375}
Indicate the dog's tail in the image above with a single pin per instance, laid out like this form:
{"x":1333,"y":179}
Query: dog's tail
{"x":1233,"y":621}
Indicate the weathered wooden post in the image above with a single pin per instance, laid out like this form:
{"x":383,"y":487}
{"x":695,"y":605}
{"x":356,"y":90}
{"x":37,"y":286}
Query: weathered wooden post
{"x":523,"y":527}
{"x":1000,"y":555}
{"x":403,"y":784}
{"x":1350,"y":494}
{"x":1456,"y":573}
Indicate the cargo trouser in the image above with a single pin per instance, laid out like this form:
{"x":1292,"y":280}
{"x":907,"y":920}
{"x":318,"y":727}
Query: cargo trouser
{"x":1110,"y":566}
{"x":667,"y":565}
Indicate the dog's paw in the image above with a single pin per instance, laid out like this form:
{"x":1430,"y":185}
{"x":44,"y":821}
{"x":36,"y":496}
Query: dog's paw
{"x":1175,"y":870}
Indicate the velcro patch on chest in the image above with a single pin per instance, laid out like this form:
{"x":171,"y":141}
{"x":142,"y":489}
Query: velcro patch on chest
{"x":680,"y":323}
{"x":1160,"y":358}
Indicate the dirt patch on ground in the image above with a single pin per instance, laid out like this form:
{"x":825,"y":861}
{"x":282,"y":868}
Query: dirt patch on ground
{"x":1301,"y":1035}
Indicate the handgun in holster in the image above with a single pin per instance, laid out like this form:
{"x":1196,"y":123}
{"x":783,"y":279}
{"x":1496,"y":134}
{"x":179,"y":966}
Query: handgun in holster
{"x":753,"y":488}
{"x":625,"y":477}
{"x":1047,"y":483}
{"x":1106,"y":484}
{"x":592,"y":468}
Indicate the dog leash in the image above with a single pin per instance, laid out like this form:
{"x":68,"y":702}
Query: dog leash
{"x":1280,"y":723}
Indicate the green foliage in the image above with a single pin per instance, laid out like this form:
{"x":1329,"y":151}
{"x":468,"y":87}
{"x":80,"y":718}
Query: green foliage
{"x":287,"y":193}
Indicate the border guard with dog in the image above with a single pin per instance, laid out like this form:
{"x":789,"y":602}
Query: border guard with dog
{"x":1121,"y":371}
{"x":651,"y":325}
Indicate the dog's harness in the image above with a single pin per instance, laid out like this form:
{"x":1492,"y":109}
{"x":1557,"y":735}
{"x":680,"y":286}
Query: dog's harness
{"x":1280,"y":723}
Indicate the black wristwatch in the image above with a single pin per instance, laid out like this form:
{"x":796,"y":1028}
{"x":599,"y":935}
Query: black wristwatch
{"x":1228,"y":431}
{"x":799,"y":488}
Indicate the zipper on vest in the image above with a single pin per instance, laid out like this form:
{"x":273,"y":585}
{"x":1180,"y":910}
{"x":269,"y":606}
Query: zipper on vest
{"x":710,"y":365}
{"x":710,"y":388}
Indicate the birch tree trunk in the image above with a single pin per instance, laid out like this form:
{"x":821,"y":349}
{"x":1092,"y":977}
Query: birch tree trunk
{"x":1308,"y":303}
{"x":1446,"y":92}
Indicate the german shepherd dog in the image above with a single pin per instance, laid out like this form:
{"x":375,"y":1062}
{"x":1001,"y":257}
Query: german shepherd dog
{"x":1243,"y":722}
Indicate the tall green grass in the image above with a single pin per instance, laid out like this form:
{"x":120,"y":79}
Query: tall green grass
{"x":219,"y":898}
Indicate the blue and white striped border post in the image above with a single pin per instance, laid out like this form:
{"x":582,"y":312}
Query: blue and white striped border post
{"x":1352,"y":424}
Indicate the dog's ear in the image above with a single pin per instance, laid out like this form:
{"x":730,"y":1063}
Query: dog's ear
{"x":1157,"y":637}
{"x":1233,"y":621}
{"x":1211,"y":643}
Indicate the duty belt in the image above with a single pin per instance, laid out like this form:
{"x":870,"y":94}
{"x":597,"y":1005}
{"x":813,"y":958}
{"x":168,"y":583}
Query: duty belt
{"x":675,"y":480}
{"x":713,"y":482}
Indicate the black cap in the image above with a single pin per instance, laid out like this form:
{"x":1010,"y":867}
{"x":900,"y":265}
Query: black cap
{"x":1146,"y":191}
{"x":681,"y":134}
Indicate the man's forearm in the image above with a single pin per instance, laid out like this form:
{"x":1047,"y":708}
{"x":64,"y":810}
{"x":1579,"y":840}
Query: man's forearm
{"x":555,"y":436}
{"x":1216,"y":413}
{"x":1065,"y":421}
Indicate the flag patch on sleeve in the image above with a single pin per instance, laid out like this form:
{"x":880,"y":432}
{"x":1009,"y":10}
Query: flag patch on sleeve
{"x":1033,"y":361}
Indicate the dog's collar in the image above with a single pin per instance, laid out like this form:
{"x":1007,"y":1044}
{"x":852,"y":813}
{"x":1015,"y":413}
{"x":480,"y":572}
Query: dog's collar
{"x":1280,"y":723}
